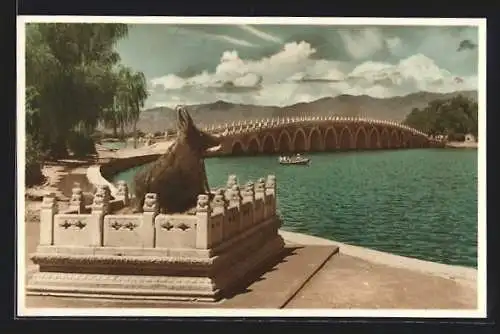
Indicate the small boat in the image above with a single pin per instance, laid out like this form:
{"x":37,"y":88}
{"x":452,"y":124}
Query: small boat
{"x":297,"y":160}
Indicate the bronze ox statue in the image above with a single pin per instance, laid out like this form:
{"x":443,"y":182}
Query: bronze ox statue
{"x":178,"y":176}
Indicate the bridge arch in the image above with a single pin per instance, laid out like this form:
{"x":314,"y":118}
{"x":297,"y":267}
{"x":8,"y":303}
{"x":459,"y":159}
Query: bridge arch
{"x":268,"y":144}
{"x":237,"y":148}
{"x":403,"y":139}
{"x":421,"y":141}
{"x":284,"y":143}
{"x":345,"y":138}
{"x":330,"y":139}
{"x":315,"y":141}
{"x":360,"y":138}
{"x":395,"y":139}
{"x":414,"y":140}
{"x":374,"y":138}
{"x":385,"y":140}
{"x":253,"y":145}
{"x":299,"y":141}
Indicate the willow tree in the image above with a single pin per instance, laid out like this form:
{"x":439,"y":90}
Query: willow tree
{"x":130,"y":96}
{"x":69,"y":76}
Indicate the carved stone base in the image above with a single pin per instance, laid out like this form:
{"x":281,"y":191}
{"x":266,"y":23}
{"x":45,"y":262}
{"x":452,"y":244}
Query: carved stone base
{"x":202,"y":276}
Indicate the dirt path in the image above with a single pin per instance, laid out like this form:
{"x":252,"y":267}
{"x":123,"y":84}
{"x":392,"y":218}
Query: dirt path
{"x":60,"y":180}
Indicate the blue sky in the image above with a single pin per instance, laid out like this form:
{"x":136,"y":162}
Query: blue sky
{"x":283,"y":65}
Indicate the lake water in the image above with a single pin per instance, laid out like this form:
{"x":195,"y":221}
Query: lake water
{"x":418,"y":203}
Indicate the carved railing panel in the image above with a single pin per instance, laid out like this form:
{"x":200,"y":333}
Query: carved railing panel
{"x":75,"y":230}
{"x":125,"y":231}
{"x":175,"y":231}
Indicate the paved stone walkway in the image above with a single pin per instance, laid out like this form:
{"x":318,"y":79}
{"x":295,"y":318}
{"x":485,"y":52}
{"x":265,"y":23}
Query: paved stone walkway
{"x":352,"y":283}
{"x":312,"y":277}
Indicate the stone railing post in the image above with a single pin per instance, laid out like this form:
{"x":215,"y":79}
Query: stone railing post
{"x":219,"y":205}
{"x":47,"y":213}
{"x":76,"y":201}
{"x":150,"y":210}
{"x":232,"y":180}
{"x":103,"y":193}
{"x":123,"y":193}
{"x":203,"y":228}
{"x":235,"y":200}
{"x":271,"y":189}
{"x":260,"y":193}
{"x":248,"y":196}
{"x":100,"y":207}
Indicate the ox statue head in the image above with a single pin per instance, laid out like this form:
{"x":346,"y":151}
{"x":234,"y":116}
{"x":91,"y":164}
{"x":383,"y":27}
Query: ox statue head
{"x":188,"y":133}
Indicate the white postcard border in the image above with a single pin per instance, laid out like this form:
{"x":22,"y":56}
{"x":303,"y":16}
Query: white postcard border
{"x":480,"y":312}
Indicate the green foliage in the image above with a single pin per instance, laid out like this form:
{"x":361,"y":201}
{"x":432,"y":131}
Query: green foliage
{"x":454,"y":117}
{"x":34,"y":158}
{"x":81,"y":144}
{"x":131,"y":93}
{"x":73,"y":81}
{"x":456,"y":136}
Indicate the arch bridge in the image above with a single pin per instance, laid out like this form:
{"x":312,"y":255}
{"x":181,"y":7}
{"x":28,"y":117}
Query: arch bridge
{"x":316,"y":134}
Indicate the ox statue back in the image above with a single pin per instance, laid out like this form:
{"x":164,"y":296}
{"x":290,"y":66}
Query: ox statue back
{"x":178,"y":176}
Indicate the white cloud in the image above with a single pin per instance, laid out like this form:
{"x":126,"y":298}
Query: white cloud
{"x":218,"y":37}
{"x":261,"y":34}
{"x":291,"y":76}
{"x":233,"y":40}
{"x":169,"y":82}
{"x":362,"y":43}
{"x":248,"y":80}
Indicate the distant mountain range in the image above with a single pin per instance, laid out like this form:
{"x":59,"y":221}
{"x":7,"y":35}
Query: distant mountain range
{"x":395,"y":108}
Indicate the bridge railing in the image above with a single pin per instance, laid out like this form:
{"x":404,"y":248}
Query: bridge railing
{"x":247,"y":126}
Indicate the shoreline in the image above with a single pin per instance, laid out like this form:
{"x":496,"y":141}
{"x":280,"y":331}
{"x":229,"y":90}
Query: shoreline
{"x":456,"y":144}
{"x":462,"y":274}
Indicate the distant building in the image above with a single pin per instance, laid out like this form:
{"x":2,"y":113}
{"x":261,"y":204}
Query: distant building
{"x":441,"y":137}
{"x":469,"y":138}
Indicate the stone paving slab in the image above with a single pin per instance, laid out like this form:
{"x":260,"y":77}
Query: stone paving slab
{"x":277,"y":286}
{"x":347,"y":282}
{"x":41,"y":302}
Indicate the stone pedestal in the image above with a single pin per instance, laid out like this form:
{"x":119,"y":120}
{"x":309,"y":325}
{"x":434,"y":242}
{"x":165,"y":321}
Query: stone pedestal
{"x":156,"y":256}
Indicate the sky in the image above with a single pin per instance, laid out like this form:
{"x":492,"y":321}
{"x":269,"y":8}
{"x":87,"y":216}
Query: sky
{"x":287,"y":64}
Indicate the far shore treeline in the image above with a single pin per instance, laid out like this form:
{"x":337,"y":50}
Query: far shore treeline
{"x":74,"y":82}
{"x":454,"y":118}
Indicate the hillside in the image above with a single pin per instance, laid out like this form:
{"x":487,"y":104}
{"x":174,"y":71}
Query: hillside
{"x":395,"y":108}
